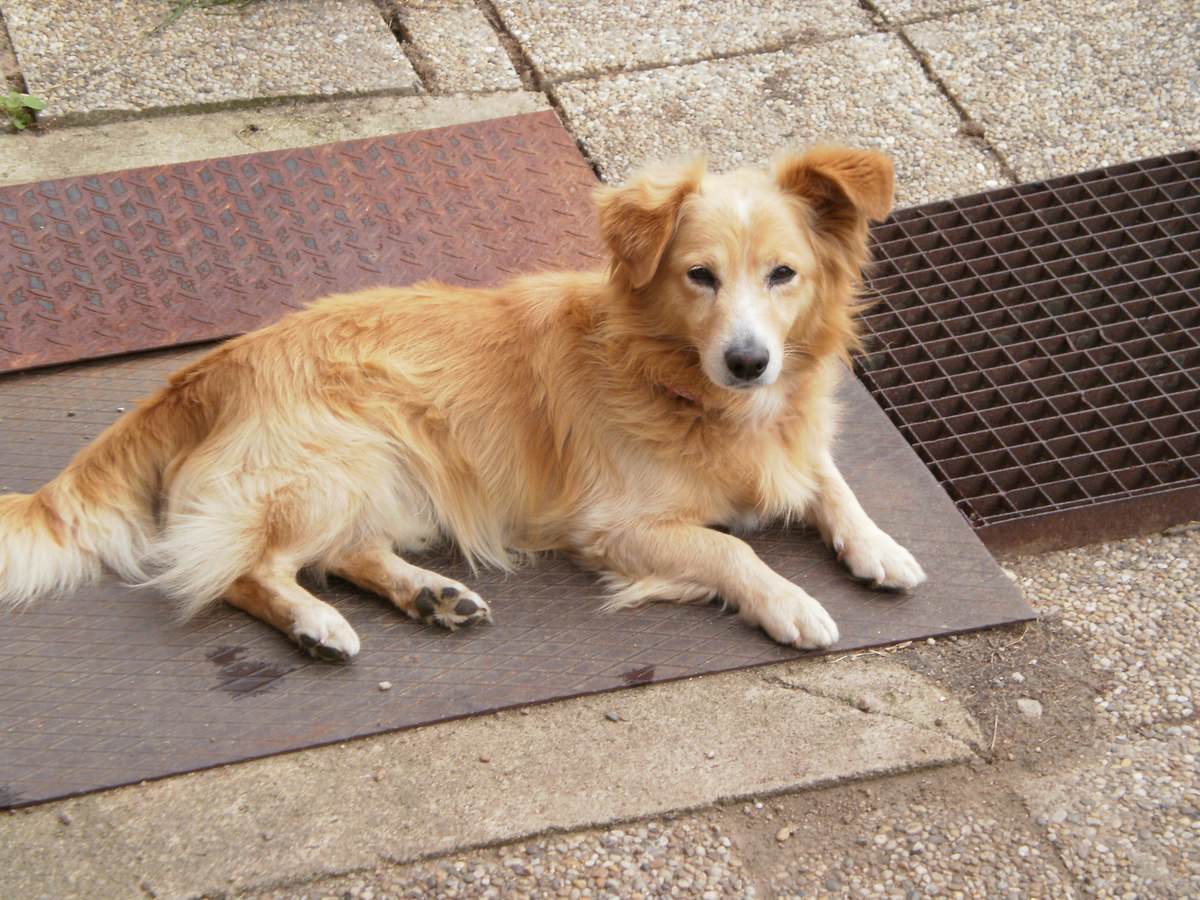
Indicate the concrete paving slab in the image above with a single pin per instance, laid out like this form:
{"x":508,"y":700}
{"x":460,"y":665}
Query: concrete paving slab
{"x":566,"y":39}
{"x":873,"y":684}
{"x":97,"y":59}
{"x":480,"y":781}
{"x":86,"y":150}
{"x":900,"y":11}
{"x":1066,"y":85}
{"x":865,"y":90}
{"x":452,"y":44}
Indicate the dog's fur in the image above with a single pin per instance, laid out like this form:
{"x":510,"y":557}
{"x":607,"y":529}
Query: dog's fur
{"x":612,"y":415}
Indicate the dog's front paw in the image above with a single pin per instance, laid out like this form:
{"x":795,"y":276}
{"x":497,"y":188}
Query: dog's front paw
{"x":877,"y":559}
{"x":451,"y":606}
{"x":798,"y":620}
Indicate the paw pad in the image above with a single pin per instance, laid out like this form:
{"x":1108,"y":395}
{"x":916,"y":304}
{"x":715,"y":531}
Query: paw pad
{"x":324,"y":652}
{"x":450,"y":607}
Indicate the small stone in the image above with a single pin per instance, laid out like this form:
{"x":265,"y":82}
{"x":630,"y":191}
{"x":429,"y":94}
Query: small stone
{"x":385,"y":685}
{"x":1029,"y":707}
{"x":612,"y":717}
{"x":65,"y":817}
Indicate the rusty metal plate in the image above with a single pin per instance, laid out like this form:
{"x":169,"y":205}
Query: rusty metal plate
{"x":105,"y":688}
{"x":1039,"y":346}
{"x":167,"y":255}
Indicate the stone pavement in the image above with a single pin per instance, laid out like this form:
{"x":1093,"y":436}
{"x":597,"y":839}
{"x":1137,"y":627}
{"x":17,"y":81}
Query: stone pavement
{"x":1058,"y":759}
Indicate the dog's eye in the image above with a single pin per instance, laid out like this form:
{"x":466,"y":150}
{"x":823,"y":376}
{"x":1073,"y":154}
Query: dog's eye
{"x":781,"y":275}
{"x":702,"y":275}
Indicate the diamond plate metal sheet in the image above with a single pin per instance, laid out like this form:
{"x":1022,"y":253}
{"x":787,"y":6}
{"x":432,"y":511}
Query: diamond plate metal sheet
{"x":155,"y":257}
{"x":105,"y":688}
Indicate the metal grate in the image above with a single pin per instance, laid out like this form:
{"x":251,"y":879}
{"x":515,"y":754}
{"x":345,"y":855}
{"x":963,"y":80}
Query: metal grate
{"x":1039,"y":347}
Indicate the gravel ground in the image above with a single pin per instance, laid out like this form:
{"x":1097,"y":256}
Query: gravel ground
{"x":1136,"y":606}
{"x":914,"y":851}
{"x":652,"y":859}
{"x":1128,"y":823}
{"x":914,"y":10}
{"x":1127,"y":820}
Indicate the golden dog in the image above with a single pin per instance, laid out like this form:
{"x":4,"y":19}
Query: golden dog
{"x":611,"y":415}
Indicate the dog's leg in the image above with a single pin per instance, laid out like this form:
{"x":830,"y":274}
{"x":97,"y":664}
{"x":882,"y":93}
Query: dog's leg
{"x":272,"y":594}
{"x":867,"y":551}
{"x":690,"y":562}
{"x":419,"y":593}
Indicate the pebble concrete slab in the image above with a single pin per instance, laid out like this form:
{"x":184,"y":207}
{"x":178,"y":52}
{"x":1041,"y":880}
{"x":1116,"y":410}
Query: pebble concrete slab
{"x":100,"y":59}
{"x":1064,"y":85}
{"x":565,"y":39}
{"x":865,"y":90}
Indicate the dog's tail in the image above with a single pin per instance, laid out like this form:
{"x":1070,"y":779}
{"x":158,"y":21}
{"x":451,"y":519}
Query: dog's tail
{"x":99,"y":512}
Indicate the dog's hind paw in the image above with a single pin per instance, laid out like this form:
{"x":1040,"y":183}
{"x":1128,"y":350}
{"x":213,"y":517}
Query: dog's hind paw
{"x":450,"y":607}
{"x":328,"y":638}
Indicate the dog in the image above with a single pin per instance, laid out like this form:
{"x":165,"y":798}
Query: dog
{"x":636,"y":418}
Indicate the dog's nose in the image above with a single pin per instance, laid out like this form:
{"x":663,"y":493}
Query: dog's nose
{"x":747,"y":361}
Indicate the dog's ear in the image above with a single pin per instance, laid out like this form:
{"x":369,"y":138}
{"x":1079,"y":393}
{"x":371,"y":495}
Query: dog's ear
{"x":639,"y":219}
{"x":843,"y":187}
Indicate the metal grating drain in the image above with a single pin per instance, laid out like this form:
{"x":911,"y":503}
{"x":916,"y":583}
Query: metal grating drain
{"x":1039,"y":347}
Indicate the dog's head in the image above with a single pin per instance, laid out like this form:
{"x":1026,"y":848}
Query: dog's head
{"x":751,"y":269}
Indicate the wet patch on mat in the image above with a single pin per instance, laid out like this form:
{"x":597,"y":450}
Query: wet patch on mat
{"x":105,"y":688}
{"x":1039,"y":346}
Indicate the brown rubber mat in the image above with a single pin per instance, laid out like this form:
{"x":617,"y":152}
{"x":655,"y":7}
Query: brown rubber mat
{"x":1039,"y":346}
{"x":167,"y":255}
{"x":105,"y":688}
